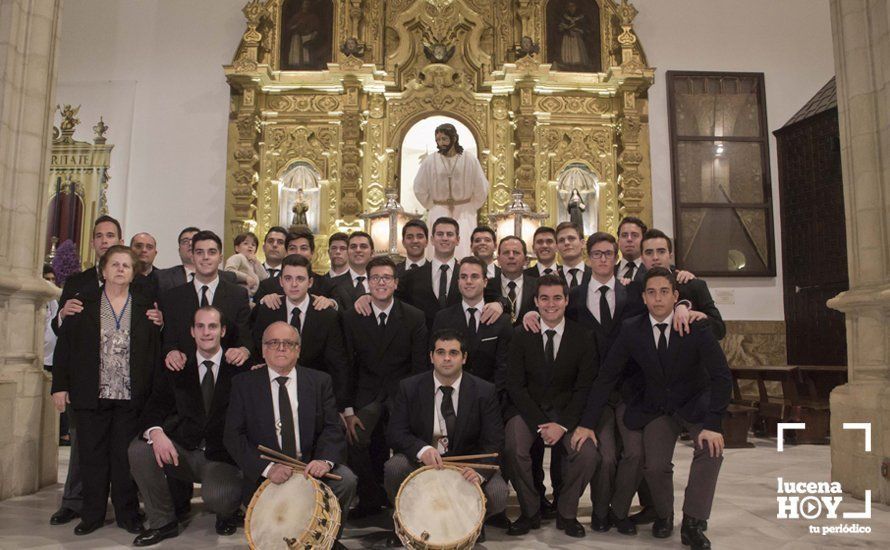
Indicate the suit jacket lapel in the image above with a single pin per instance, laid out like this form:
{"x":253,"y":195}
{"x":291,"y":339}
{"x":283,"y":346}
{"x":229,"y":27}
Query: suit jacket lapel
{"x":266,"y":412}
{"x":464,"y":400}
{"x":305,"y":412}
{"x":649,"y":348}
{"x":453,"y":289}
{"x":219,"y":294}
{"x":392,"y":322}
{"x":620,"y":300}
{"x":673,"y":351}
{"x":427,"y":404}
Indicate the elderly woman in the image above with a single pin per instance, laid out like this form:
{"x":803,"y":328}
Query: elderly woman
{"x":103,"y":367}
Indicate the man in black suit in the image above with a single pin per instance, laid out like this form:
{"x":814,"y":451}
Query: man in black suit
{"x":570,"y":242}
{"x":338,"y":244}
{"x":180,"y":303}
{"x":185,"y":272}
{"x":383,"y":348}
{"x":686,"y":384}
{"x":512,"y":283}
{"x":322,"y":336}
{"x":146,"y":248}
{"x":544,"y":247}
{"x":548,"y":378}
{"x":292,"y":410}
{"x":483,"y":242}
{"x":301,"y":242}
{"x":446,"y":412}
{"x":182,"y":436}
{"x":274,"y":250}
{"x":415,"y":239}
{"x":352,"y":285}
{"x":630,"y":239}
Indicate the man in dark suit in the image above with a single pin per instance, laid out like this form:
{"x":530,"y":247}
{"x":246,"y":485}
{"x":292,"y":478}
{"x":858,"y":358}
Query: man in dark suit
{"x":446,"y":412}
{"x":544,"y":247}
{"x":570,"y":242}
{"x":292,"y":410}
{"x":322,"y":336}
{"x":630,"y":239}
{"x":146,"y":248}
{"x":180,"y":303}
{"x":301,"y":242}
{"x":274,"y":250}
{"x":686,"y":384}
{"x":185,"y":272}
{"x":383,"y":348}
{"x":512,"y":283}
{"x":548,"y":379}
{"x":352,"y":285}
{"x":483,"y":242}
{"x":182,"y":436}
{"x":415,"y":239}
{"x":338,"y":244}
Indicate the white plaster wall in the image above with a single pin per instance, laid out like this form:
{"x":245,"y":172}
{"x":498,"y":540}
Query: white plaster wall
{"x":165,"y":57}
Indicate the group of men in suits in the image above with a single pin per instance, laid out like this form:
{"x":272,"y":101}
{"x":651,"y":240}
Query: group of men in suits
{"x":377,"y":368}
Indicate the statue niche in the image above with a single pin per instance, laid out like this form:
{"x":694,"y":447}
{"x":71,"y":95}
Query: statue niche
{"x":306,"y":34}
{"x":299,"y":196}
{"x":578,"y":193}
{"x":573,"y":35}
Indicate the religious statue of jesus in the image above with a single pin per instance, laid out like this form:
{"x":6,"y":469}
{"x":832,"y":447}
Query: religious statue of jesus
{"x":450,"y":183}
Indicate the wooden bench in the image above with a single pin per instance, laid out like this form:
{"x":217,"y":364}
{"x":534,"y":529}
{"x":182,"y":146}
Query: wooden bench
{"x":771,"y":409}
{"x":736,"y":425}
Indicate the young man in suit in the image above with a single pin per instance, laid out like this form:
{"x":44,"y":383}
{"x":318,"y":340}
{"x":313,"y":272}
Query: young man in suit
{"x":548,"y":378}
{"x":274,"y":250}
{"x":338,"y":244}
{"x":323,"y":348}
{"x":270,"y":293}
{"x":353,"y":284}
{"x":569,"y":241}
{"x":512,"y":283}
{"x":630,"y":239}
{"x":415,"y":239}
{"x":383,"y":348}
{"x":482,"y":244}
{"x":182,"y":436}
{"x":686,"y":384}
{"x":180,"y":303}
{"x":290,"y":409}
{"x":544,"y":247}
{"x":446,"y":412}
{"x":185,"y":272}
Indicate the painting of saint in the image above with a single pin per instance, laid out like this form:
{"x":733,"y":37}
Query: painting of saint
{"x":306,"y":34}
{"x":573,"y":35}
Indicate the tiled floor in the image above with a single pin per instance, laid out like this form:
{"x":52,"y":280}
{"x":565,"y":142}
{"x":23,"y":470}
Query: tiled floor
{"x":744,"y":515}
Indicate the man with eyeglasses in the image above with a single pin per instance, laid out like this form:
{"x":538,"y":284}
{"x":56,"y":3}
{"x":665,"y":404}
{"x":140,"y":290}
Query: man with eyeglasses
{"x":304,"y":423}
{"x":383,"y":348}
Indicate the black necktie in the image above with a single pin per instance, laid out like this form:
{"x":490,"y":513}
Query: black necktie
{"x":605,"y":312}
{"x":204,"y":289}
{"x":447,"y":409}
{"x":629,"y":273}
{"x":511,"y":292}
{"x":207,"y":386}
{"x":286,"y":420}
{"x":295,"y":320}
{"x":192,"y":277}
{"x":382,"y":323}
{"x":412,"y":266}
{"x":471,"y":322}
{"x":662,"y":345}
{"x":549,"y":353}
{"x":548,"y":271}
{"x":359,"y":283}
{"x":273,"y":273}
{"x":443,"y":285}
{"x":574,"y":273}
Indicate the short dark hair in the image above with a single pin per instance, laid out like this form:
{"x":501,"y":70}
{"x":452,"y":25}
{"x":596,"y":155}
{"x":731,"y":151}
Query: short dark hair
{"x":105,"y":218}
{"x":513,"y":238}
{"x":657,"y":234}
{"x":570,"y":225}
{"x":362,"y":234}
{"x":634,"y":220}
{"x":420,"y":224}
{"x":484,"y":229}
{"x":295,"y":260}
{"x":445,"y":220}
{"x":660,"y":272}
{"x":120,"y":249}
{"x":207,"y":235}
{"x":544,"y":229}
{"x":473,"y":260}
{"x":599,"y":237}
{"x":302,"y":233}
{"x":189,"y":229}
{"x":338,"y":236}
{"x":380,"y":261}
{"x":448,"y":335}
{"x":248,"y":235}
{"x":47,"y":269}
{"x":222,"y":316}
{"x":551,"y":280}
{"x":275,"y":229}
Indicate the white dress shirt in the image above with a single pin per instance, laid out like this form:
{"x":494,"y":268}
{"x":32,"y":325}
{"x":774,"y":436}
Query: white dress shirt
{"x":477,"y":314}
{"x":211,"y":289}
{"x":436,"y":273}
{"x":419,"y":263}
{"x":505,"y":291}
{"x":579,"y":276}
{"x":439,"y":430}
{"x":593,"y":298}
{"x":355,"y":275}
{"x":333,"y":273}
{"x":557,"y":338}
{"x":202,"y":370}
{"x":291,"y":386}
{"x":189,"y":274}
{"x":304,"y":306}
{"x":491,"y":269}
{"x":541,"y":267}
{"x":622,"y":266}
{"x":269,"y":268}
{"x":667,"y":332}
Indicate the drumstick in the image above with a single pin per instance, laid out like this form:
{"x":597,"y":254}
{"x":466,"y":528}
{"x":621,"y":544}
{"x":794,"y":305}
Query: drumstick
{"x":285,"y":460}
{"x":468,"y":457}
{"x":477,"y":466}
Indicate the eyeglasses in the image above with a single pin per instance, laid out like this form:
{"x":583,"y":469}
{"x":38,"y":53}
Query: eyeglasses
{"x":281,"y":344}
{"x":381,"y":278}
{"x":607,"y":254}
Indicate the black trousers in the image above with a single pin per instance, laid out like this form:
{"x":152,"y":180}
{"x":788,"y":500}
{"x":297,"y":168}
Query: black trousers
{"x":367,"y":457}
{"x":104,"y":435}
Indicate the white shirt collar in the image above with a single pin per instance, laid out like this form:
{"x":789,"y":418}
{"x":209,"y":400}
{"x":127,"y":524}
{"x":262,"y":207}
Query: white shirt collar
{"x":567,"y":269}
{"x":353,"y":274}
{"x":467,"y":306}
{"x":560,"y":328}
{"x":594,"y":285}
{"x":303,"y":305}
{"x":437,"y":264}
{"x":211,"y":286}
{"x":669,"y":320}
{"x":333,"y":273}
{"x":378,"y":311}
{"x":419,"y":263}
{"x":541,"y":267}
{"x":217,"y":358}
{"x":292,"y":375}
{"x":455,"y":384}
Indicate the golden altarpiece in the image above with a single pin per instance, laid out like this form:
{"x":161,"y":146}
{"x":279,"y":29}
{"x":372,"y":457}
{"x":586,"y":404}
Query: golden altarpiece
{"x":392,"y":63}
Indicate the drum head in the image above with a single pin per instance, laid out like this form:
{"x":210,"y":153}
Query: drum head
{"x":442,"y":504}
{"x":279,"y":512}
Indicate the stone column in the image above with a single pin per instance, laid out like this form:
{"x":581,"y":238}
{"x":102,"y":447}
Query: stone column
{"x":862,"y":59}
{"x":28,"y":424}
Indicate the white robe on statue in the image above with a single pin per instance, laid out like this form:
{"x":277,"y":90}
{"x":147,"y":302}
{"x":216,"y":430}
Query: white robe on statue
{"x":452,"y":187}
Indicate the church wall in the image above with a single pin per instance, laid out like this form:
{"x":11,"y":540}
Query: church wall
{"x":163,"y":60}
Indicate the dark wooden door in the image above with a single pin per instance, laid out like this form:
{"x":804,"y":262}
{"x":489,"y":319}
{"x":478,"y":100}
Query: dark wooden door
{"x":814,"y":247}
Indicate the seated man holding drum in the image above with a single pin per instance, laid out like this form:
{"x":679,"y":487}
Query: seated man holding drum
{"x":292,"y":411}
{"x":443,"y":414}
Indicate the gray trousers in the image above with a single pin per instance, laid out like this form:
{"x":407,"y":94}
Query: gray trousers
{"x":400,"y":467}
{"x":629,"y":471}
{"x":659,"y":439}
{"x":578,"y":468}
{"x":220,"y":482}
{"x":603,"y":483}
{"x":72,"y":496}
{"x":343,"y":489}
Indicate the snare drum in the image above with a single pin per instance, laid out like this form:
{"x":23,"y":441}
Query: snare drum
{"x":298,"y":514}
{"x":439,"y":510}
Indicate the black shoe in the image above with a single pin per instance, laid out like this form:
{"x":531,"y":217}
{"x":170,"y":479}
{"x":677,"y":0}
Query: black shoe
{"x":84,"y":528}
{"x":225,"y":526}
{"x":132,"y":526}
{"x":62,"y":516}
{"x":238,"y":516}
{"x":154,"y":536}
{"x":501,"y":521}
{"x":548,"y":509}
{"x":625,"y":526}
{"x":393,"y":541}
{"x":644,"y":516}
{"x":663,"y":528}
{"x":361,"y":512}
{"x":524,"y":524}
{"x":601,"y":525}
{"x":692,"y":534}
{"x":338,"y":546}
{"x":481,"y":538}
{"x":571,"y":526}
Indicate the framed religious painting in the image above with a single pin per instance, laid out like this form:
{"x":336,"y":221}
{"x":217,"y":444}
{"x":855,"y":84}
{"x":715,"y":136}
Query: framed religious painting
{"x":306,"y":35}
{"x":573,"y":35}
